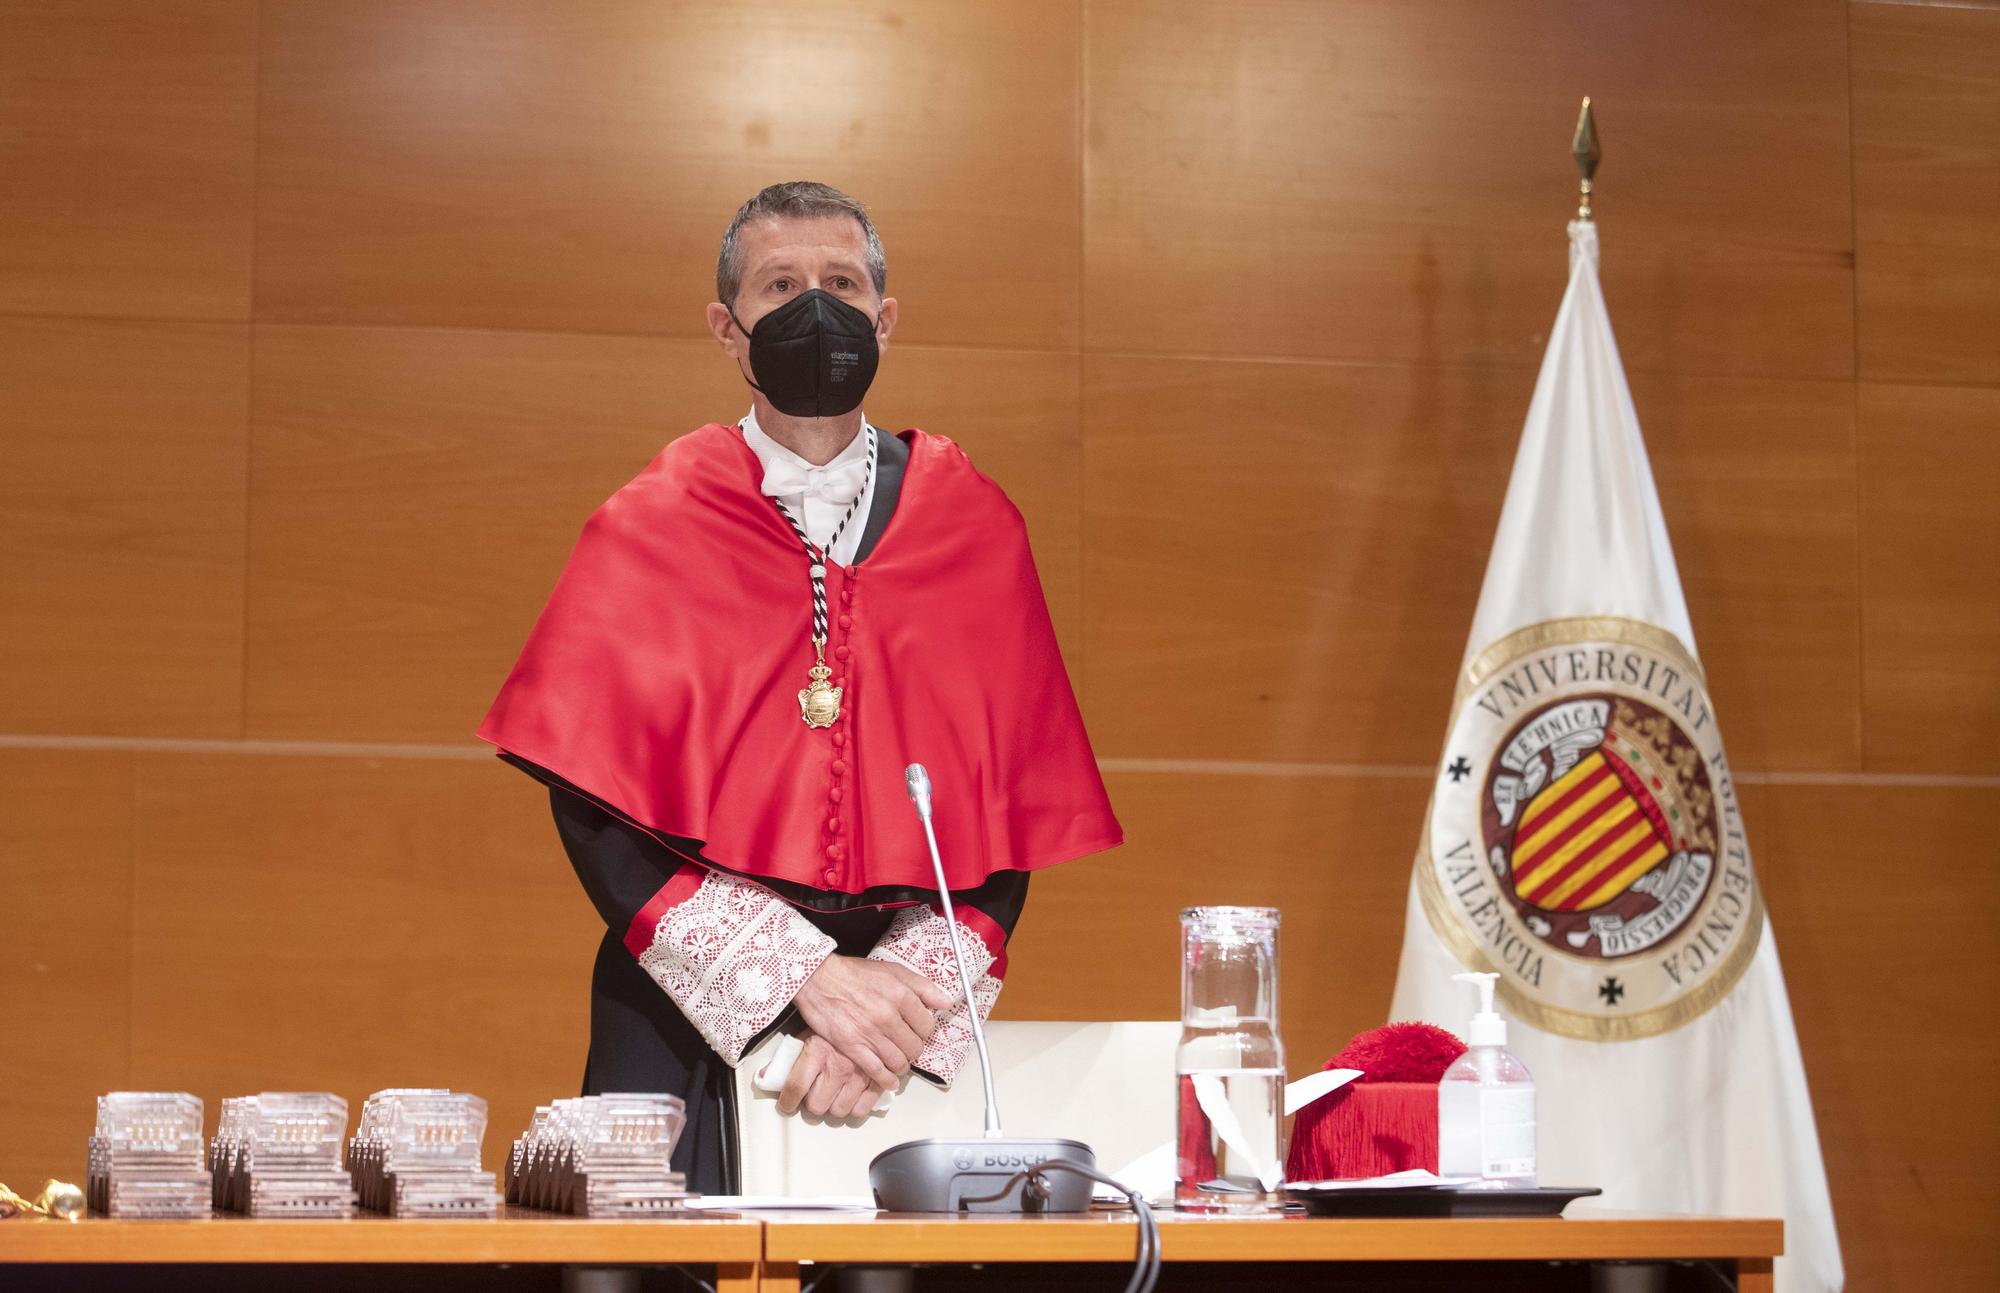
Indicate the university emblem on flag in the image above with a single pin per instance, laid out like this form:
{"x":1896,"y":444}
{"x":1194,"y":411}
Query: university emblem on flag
{"x":1584,"y":837}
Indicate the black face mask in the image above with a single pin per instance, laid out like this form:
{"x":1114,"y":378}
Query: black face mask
{"x":813,"y":356}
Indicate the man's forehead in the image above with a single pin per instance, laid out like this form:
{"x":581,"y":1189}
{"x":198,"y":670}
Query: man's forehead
{"x":818,"y":236}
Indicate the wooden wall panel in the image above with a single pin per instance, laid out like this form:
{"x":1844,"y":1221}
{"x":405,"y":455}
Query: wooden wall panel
{"x":415,"y":494}
{"x":352,"y":924}
{"x":66,"y":936}
{"x":1757,"y":480}
{"x":1891,"y":988}
{"x":1930,"y":593}
{"x":128,"y":152}
{"x":1100,"y":938}
{"x":1269,"y":178}
{"x":1282,"y":560}
{"x":516,"y":165}
{"x":1927,"y":191}
{"x":121,"y":513}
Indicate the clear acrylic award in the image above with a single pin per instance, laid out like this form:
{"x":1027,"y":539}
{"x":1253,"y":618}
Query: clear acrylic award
{"x":145,"y":1156}
{"x":277,"y":1154}
{"x":416,"y":1154}
{"x":601,"y":1156}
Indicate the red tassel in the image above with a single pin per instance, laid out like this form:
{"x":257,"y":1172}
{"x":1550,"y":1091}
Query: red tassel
{"x":1386,"y":1120}
{"x":1365,"y":1130}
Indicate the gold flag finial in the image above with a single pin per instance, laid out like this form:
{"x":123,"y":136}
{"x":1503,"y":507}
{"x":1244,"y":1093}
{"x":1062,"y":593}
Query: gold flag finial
{"x":1584,"y":148}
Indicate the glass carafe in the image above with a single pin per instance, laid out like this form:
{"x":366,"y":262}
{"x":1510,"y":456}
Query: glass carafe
{"x":1230,"y":1068}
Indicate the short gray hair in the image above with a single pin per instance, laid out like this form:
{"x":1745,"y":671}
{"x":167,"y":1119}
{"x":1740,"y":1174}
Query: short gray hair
{"x":801,"y":198}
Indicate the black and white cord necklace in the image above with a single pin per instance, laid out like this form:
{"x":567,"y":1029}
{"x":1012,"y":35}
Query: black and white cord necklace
{"x":819,"y":701}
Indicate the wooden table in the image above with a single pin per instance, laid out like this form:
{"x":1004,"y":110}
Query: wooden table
{"x":521,"y":1236}
{"x":1584,"y":1235}
{"x":765,"y":1252}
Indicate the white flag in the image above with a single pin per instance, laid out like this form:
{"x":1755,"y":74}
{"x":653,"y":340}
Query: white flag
{"x":1584,"y":839}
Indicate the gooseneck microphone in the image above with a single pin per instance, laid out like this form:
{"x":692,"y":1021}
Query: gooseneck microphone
{"x":994,"y":1174}
{"x":919,"y":782}
{"x":998,"y":1173}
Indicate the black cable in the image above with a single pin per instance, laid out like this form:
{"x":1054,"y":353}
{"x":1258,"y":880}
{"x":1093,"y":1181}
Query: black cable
{"x":687,"y":1274}
{"x":1146,"y":1267}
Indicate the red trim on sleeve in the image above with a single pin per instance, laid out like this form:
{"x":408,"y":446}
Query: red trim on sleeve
{"x":980,"y":923}
{"x":639,"y":934}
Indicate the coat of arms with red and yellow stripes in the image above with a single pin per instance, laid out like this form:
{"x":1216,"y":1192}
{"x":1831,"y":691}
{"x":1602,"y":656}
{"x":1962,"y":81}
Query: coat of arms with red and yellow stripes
{"x":1584,"y":837}
{"x":1589,"y":835}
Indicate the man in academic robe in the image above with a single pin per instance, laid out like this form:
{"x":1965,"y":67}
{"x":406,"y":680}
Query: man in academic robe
{"x":749,"y":643}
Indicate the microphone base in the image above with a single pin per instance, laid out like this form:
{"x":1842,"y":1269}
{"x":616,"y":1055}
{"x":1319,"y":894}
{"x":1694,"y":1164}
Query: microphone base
{"x":970,"y":1174}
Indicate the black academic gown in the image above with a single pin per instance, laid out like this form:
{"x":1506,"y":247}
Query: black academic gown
{"x":639,"y":1039}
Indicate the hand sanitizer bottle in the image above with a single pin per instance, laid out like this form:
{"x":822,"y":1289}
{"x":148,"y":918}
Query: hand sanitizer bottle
{"x":1486,"y":1105}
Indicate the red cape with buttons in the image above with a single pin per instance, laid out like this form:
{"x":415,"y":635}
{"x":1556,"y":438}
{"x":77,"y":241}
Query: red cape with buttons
{"x":663,"y":676}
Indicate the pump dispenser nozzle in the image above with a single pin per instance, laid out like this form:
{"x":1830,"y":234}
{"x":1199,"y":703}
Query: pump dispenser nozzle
{"x":1487,"y":1028}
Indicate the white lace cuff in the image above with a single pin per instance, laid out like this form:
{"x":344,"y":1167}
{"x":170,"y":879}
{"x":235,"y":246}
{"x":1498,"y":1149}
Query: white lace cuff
{"x":919,"y":940}
{"x":732,"y":955}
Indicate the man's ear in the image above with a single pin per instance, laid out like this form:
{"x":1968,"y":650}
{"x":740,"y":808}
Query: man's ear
{"x":727,"y":334}
{"x":885,"y":321}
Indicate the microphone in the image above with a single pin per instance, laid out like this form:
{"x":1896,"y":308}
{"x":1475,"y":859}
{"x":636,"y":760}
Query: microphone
{"x":997,"y":1173}
{"x":918,"y":780}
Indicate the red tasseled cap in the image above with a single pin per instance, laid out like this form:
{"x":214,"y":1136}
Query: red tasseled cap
{"x":1400,"y":1052}
{"x":1386,"y":1121}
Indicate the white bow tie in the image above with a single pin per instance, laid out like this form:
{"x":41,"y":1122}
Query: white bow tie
{"x":838,"y":484}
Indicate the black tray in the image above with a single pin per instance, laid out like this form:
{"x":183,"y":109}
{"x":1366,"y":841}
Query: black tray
{"x":1439,"y":1201}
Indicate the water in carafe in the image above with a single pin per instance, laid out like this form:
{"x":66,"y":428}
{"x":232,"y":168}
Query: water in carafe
{"x":1230,"y":1066}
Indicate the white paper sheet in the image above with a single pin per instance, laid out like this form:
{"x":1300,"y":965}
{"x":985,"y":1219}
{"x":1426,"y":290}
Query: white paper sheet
{"x":777,"y":1203}
{"x":1416,"y":1178}
{"x":1307,"y":1089}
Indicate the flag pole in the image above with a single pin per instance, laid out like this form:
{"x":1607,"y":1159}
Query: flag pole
{"x":1584,"y":148}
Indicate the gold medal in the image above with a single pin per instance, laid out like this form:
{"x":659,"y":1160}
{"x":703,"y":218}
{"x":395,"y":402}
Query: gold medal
{"x":819,"y":702}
